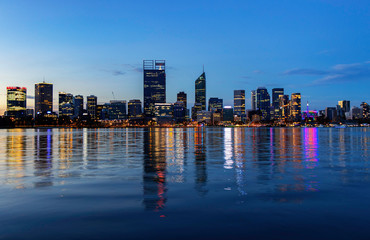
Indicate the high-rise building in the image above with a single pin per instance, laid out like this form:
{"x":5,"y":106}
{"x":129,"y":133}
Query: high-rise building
{"x":345,"y":105}
{"x":263,"y":103}
{"x":276,"y":93}
{"x":200,"y":94}
{"x":16,"y":102}
{"x":215,"y":105}
{"x":117,"y":110}
{"x":92,"y":102}
{"x":78,"y":105}
{"x":182,"y":97}
{"x":239,"y":102}
{"x":253,"y":100}
{"x":154,"y":85}
{"x":164,"y":113}
{"x":228,"y":114}
{"x":43,"y":98}
{"x":179,"y":112}
{"x":66,"y":104}
{"x":365,"y":110}
{"x":295,"y":107}
{"x":331,"y":113}
{"x":134,"y":108}
{"x":284,"y":107}
{"x":356,"y":113}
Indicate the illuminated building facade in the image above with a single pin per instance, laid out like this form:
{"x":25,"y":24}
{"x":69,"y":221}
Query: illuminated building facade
{"x":356,"y":113}
{"x":345,"y":105}
{"x":276,"y":93}
{"x":16,"y":103}
{"x":182,"y":97}
{"x":239,"y":102}
{"x":66,"y":104}
{"x":365,"y":110}
{"x":254,"y":99}
{"x":117,"y":110}
{"x":43,"y":98}
{"x":154,"y":85}
{"x":284,"y":107}
{"x":134,"y":108}
{"x":163,"y":113}
{"x":204,"y":117}
{"x":92,"y":101}
{"x":263,"y":103}
{"x":295,"y":107}
{"x":215,"y":105}
{"x":200,"y":94}
{"x":78,"y":105}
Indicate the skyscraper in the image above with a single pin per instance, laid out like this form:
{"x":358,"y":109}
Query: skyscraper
{"x":154,"y":84}
{"x":239,"y":102}
{"x":295,"y":107}
{"x":78,"y":104}
{"x":200,"y":94}
{"x":65,"y":104}
{"x":43,"y":98}
{"x":276,"y":93}
{"x":117,"y":110}
{"x":16,"y":102}
{"x":253,"y":100}
{"x":182,"y":97}
{"x":263,"y":102}
{"x":92,"y":102}
{"x":345,"y":105}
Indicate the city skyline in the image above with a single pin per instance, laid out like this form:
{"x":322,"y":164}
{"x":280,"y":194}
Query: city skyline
{"x":317,"y":48}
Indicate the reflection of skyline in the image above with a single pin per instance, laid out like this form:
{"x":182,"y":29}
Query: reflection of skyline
{"x":154,"y":169}
{"x":201,"y":177}
{"x":15,"y":152}
{"x":43,"y":157}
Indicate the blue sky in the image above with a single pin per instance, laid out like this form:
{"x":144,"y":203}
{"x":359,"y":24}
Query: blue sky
{"x":319,"y":48}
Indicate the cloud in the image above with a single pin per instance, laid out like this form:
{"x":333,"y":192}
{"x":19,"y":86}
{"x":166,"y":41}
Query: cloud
{"x":340,"y":73}
{"x":118,"y":73}
{"x":133,"y":67}
{"x":257,"y":72}
{"x":304,"y":71}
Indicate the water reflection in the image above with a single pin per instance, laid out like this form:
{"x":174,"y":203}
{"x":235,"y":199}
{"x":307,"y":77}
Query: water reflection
{"x":43,"y":162}
{"x":200,"y":161}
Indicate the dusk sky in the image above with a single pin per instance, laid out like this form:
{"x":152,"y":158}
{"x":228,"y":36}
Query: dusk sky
{"x":319,"y":48}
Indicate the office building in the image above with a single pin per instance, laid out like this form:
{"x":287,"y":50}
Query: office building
{"x":43,"y":98}
{"x":78,"y":106}
{"x":215,"y":105}
{"x":154,"y":85}
{"x":295,"y":107}
{"x":117,"y":110}
{"x":66,"y":104}
{"x":239,"y":102}
{"x":284,"y":107}
{"x":276,"y":93}
{"x":182,"y":97}
{"x":134,"y":108}
{"x":16,"y":103}
{"x":356,"y":113}
{"x":331,"y":113}
{"x":365,"y":110}
{"x":345,"y":105}
{"x":200,"y":94}
{"x":92,"y":102}
{"x":254,"y":100}
{"x":163,"y":113}
{"x":179,"y":112}
{"x":263,"y":103}
{"x":228,"y":114}
{"x":204,"y":117}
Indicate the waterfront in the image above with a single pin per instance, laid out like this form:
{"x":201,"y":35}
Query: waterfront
{"x":198,"y":183}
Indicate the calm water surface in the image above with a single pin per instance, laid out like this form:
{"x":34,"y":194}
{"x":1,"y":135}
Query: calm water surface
{"x":202,"y":183}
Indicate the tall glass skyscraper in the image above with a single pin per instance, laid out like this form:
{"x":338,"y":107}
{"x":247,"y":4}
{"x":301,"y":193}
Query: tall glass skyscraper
{"x":239,"y":102}
{"x":43,"y":98}
{"x":154,"y":84}
{"x":215,"y":105}
{"x":182,"y":97}
{"x":200,"y":94}
{"x":276,"y":93}
{"x":16,"y":102}
{"x":263,"y":102}
{"x":134,"y":108}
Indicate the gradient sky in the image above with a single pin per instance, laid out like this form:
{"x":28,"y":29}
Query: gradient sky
{"x":319,"y":48}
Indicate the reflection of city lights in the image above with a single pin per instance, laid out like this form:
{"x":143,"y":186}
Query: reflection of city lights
{"x":228,"y":148}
